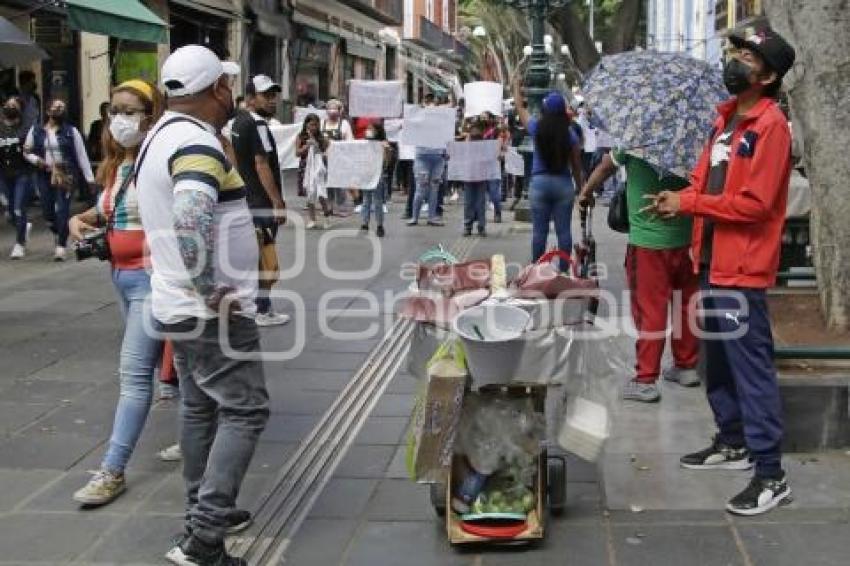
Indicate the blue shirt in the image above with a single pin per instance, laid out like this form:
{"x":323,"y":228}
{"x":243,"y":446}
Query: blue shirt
{"x":538,"y":166}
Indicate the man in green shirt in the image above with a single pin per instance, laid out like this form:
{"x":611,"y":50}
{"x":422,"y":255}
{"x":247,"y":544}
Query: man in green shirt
{"x":659,"y":270}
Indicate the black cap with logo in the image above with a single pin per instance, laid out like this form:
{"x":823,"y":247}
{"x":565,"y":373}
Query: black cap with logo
{"x":771,"y":46}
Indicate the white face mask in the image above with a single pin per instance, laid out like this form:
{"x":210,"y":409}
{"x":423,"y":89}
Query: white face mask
{"x":127,"y":130}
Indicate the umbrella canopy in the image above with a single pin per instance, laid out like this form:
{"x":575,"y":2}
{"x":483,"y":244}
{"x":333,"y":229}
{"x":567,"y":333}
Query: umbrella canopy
{"x":658,"y":106}
{"x":16,"y":48}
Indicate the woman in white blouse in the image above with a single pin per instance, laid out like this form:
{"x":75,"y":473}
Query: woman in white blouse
{"x":59,"y":152}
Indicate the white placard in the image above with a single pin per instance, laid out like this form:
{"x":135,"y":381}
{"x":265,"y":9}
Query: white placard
{"x":410,"y":109}
{"x":302,"y":112}
{"x":284,"y":137}
{"x":514,"y":163}
{"x":375,"y":99}
{"x":431,"y":127}
{"x":474,"y":160}
{"x":406,"y":152}
{"x":355,"y":164}
{"x":482,"y":96}
{"x":393,"y":129}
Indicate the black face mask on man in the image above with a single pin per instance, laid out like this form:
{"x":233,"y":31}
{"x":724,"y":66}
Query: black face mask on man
{"x":736,"y":76}
{"x":11,"y":113}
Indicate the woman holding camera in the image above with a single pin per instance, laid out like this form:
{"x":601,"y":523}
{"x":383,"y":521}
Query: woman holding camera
{"x":135,"y":106}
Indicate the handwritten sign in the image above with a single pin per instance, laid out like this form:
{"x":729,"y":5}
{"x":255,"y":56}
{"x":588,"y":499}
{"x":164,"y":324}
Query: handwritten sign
{"x":393,"y":129}
{"x":284,"y":136}
{"x":474,"y":161}
{"x":431,"y":127}
{"x":482,"y":96}
{"x":355,"y":164}
{"x":514,"y":163}
{"x":375,"y":99}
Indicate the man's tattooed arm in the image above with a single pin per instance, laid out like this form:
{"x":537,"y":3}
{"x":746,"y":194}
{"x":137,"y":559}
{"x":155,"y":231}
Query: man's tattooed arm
{"x":193,"y":225}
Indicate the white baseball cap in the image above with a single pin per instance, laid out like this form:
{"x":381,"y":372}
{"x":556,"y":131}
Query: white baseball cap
{"x":263,"y":83}
{"x":192,"y":68}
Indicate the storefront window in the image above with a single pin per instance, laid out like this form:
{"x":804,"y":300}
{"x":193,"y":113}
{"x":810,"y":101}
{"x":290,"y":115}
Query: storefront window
{"x":368,"y":69}
{"x":311,"y":71}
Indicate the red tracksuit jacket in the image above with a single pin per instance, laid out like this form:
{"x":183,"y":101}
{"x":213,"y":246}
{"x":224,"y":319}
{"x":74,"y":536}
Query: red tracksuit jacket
{"x":749,"y":214}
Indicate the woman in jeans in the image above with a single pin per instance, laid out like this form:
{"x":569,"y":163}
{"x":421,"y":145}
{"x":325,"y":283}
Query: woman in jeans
{"x":135,"y":106}
{"x":555,"y":171}
{"x":375,"y":197}
{"x":57,"y":149}
{"x":14,"y":173}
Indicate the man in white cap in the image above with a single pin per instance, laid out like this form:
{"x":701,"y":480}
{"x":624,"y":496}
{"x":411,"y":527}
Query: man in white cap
{"x":258,"y":164}
{"x":204,"y":258}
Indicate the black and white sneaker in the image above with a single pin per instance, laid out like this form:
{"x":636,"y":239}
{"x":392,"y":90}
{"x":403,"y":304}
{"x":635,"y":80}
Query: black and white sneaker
{"x":762,"y":495}
{"x":238,"y":521}
{"x":718,"y":456}
{"x":192,"y":551}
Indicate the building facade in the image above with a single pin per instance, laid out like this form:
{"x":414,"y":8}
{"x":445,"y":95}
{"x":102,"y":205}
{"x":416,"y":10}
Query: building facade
{"x":698,"y":27}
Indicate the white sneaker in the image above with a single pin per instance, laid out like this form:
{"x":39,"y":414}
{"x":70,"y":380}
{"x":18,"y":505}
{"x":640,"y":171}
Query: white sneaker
{"x":454,"y":198}
{"x":18,"y":251}
{"x":170,"y":454}
{"x":386,"y":209}
{"x":271,"y":319}
{"x":311,"y":225}
{"x":358,"y":208}
{"x":59,"y":254}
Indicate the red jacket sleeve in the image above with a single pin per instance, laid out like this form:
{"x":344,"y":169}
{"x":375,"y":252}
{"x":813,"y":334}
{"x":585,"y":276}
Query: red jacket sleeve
{"x":754,"y":201}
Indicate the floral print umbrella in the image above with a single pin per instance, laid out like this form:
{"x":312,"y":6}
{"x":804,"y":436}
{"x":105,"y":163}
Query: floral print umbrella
{"x":657,"y":106}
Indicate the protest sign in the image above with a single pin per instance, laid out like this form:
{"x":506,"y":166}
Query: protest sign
{"x":393,"y":129}
{"x":375,"y":99}
{"x":355,"y":164}
{"x":514,"y":163}
{"x":482,"y":96}
{"x":406,"y":152}
{"x":302,"y":112}
{"x":474,"y":161}
{"x":432,"y":127}
{"x":284,"y":137}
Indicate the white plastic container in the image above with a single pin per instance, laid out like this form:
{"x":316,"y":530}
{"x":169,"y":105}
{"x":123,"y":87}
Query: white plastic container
{"x":492,"y":335}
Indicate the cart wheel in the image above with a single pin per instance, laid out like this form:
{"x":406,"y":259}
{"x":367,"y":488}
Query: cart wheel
{"x":438,"y":498}
{"x":557,"y":483}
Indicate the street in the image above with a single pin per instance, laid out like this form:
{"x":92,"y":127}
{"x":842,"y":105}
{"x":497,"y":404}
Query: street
{"x":59,"y":385}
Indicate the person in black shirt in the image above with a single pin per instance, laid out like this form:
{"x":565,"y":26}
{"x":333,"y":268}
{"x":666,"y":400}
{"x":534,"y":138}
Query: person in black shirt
{"x":96,"y":133}
{"x":258,"y":165}
{"x":14,"y":172}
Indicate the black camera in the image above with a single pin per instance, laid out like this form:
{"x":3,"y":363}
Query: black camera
{"x":92,"y":245}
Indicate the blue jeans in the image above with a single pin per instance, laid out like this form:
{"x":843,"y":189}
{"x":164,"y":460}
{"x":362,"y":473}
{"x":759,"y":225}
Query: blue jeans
{"x":428,"y":172}
{"x":494,"y":189}
{"x":551,"y":199}
{"x":740,"y":376}
{"x":140,"y":354}
{"x":474,"y":201}
{"x":374,"y":198}
{"x":56,"y":208}
{"x":18,"y":190}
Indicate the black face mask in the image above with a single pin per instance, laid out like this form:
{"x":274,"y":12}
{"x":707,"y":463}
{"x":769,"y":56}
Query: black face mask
{"x":736,"y":76}
{"x":57,"y":116}
{"x":11,"y":113}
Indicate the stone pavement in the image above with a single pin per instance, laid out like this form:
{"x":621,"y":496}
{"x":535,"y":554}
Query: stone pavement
{"x":59,"y":334}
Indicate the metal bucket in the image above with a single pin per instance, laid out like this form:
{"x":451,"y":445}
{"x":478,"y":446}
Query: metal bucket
{"x":492,"y":335}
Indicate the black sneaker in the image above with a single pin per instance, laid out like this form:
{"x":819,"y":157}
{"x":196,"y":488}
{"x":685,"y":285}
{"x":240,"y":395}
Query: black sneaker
{"x":380,"y":231}
{"x":718,"y":456}
{"x":195,"y":552}
{"x":364,"y":227}
{"x":762,"y":495}
{"x":238,"y":521}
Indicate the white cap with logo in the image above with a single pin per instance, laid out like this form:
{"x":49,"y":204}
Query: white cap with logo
{"x":193,"y":68}
{"x":263,"y":83}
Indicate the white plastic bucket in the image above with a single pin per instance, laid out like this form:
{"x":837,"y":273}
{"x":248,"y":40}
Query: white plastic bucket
{"x":492,"y":337}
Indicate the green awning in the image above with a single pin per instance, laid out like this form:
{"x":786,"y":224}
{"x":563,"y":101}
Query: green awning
{"x":123,"y":19}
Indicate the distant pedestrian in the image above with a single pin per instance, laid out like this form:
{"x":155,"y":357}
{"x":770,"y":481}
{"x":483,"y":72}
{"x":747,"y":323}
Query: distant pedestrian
{"x":31,"y":111}
{"x":737,"y":197}
{"x":134,"y":108}
{"x":336,"y":128}
{"x":555,"y":172}
{"x":428,"y":170}
{"x":310,"y":147}
{"x":204,"y":284}
{"x":475,"y":193}
{"x":58,"y":151}
{"x":15,"y":173}
{"x":374,"y":199}
{"x":258,"y":164}
{"x":96,"y":130}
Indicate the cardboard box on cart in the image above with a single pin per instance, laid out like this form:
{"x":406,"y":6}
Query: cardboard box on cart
{"x":536,"y":518}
